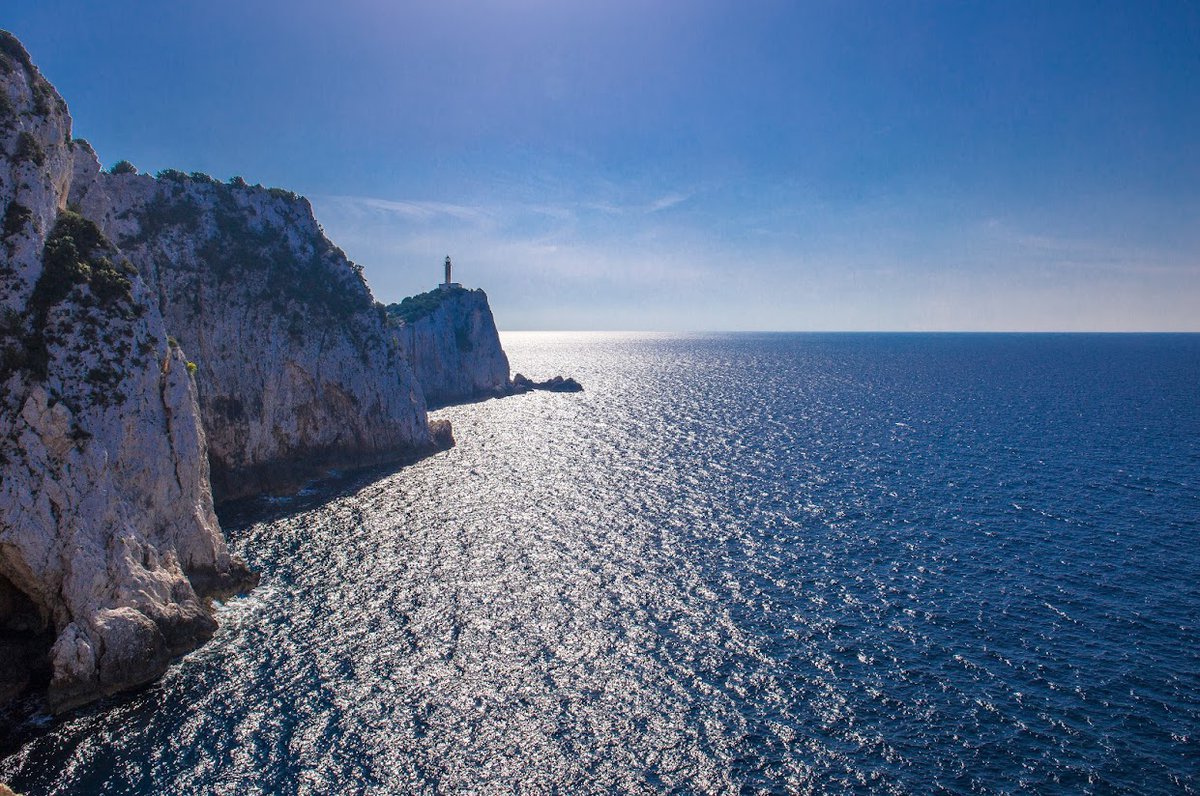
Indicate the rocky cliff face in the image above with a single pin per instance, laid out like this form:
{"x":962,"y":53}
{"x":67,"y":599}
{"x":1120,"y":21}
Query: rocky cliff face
{"x":449,"y":337}
{"x":295,"y":367}
{"x":108,"y":541}
{"x":150,"y":328}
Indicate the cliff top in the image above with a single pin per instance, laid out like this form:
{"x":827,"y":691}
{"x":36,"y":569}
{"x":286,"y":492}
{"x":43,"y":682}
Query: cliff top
{"x":13,"y":57}
{"x":414,"y":308}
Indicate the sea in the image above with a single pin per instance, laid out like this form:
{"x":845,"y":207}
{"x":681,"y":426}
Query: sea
{"x":734,"y":564}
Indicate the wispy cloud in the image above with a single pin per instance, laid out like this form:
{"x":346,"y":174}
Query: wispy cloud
{"x":1041,"y":249}
{"x":668,"y":201}
{"x":418,"y":211}
{"x":641,"y":208}
{"x":564,"y":263}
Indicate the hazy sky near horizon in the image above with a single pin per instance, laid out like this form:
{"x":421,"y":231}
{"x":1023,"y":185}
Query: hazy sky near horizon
{"x":688,"y":165}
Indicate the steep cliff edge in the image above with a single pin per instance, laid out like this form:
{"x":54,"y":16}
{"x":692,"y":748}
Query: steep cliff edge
{"x":449,"y":338}
{"x":295,"y":365}
{"x":108,"y":540}
{"x":164,"y":340}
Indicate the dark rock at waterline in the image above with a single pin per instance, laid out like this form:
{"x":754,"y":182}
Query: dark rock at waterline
{"x":441,"y":435}
{"x":521,"y":383}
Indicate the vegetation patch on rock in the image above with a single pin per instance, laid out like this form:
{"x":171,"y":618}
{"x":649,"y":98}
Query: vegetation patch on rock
{"x":294,"y":280}
{"x":77,"y":253}
{"x":29,"y":150}
{"x":77,"y":257}
{"x":16,"y":216}
{"x":414,"y":308}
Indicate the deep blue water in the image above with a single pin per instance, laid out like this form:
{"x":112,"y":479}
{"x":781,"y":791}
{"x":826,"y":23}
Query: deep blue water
{"x":735,"y":564}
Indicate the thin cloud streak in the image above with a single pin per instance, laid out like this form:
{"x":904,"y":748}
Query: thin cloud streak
{"x":560,"y":265}
{"x":668,"y":201}
{"x":417,"y":211}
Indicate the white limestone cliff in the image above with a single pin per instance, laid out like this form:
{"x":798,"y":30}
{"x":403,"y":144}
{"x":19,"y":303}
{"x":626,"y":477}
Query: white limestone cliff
{"x":295,"y":367}
{"x":449,"y":338}
{"x":108,"y":540}
{"x":164,"y":340}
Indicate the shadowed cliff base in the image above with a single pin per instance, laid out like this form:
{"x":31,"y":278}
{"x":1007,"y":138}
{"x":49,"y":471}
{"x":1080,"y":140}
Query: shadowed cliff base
{"x":29,"y":694}
{"x":288,"y":476}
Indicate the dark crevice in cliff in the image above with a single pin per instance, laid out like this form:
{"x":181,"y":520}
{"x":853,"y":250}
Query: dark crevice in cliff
{"x":25,"y":642}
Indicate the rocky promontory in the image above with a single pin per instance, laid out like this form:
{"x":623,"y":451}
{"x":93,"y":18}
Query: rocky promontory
{"x":449,"y":338}
{"x":166,"y":343}
{"x":295,"y":365}
{"x":162,"y":340}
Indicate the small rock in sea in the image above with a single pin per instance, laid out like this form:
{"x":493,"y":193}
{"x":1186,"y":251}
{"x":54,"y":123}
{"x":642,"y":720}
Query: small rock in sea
{"x":521,"y":383}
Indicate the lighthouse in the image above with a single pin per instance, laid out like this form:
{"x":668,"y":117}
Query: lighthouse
{"x":449,"y":284}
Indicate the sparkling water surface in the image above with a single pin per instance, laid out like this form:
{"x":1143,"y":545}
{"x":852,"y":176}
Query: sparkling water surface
{"x":735,"y":564}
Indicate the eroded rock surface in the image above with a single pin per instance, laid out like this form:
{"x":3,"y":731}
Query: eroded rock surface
{"x":449,"y":338}
{"x":164,"y":340}
{"x":105,"y":505}
{"x":295,"y":366}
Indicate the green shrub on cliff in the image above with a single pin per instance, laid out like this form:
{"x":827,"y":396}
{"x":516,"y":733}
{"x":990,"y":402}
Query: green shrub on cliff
{"x":28,"y":148}
{"x":162,"y":214}
{"x":123,"y":167}
{"x":77,"y":253}
{"x":16,"y":216}
{"x":284,"y":193}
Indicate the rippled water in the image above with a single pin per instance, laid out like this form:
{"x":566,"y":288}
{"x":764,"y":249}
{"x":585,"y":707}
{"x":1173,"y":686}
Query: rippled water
{"x":750,"y":563}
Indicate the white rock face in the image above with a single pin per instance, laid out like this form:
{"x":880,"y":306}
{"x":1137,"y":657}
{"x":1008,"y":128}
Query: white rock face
{"x":454,"y":348}
{"x":296,"y":368}
{"x":106,"y":515}
{"x":152,"y":328}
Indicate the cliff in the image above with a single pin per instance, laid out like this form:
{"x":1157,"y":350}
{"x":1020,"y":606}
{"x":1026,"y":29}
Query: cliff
{"x":108,"y":540}
{"x":295,"y":366}
{"x":164,"y":340}
{"x":449,"y":338}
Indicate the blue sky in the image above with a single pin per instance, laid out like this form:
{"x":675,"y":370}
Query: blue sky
{"x":688,"y":165}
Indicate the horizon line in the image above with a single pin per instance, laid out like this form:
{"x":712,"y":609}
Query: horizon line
{"x":863,"y":331}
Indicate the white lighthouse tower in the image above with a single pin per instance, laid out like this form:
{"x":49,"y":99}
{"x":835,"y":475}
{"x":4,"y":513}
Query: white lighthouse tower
{"x":449,"y":284}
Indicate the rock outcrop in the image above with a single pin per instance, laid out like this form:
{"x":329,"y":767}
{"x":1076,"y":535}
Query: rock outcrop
{"x":296,"y":368}
{"x":521,"y":383}
{"x":449,"y":338}
{"x":108,"y":540}
{"x":164,"y":340}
